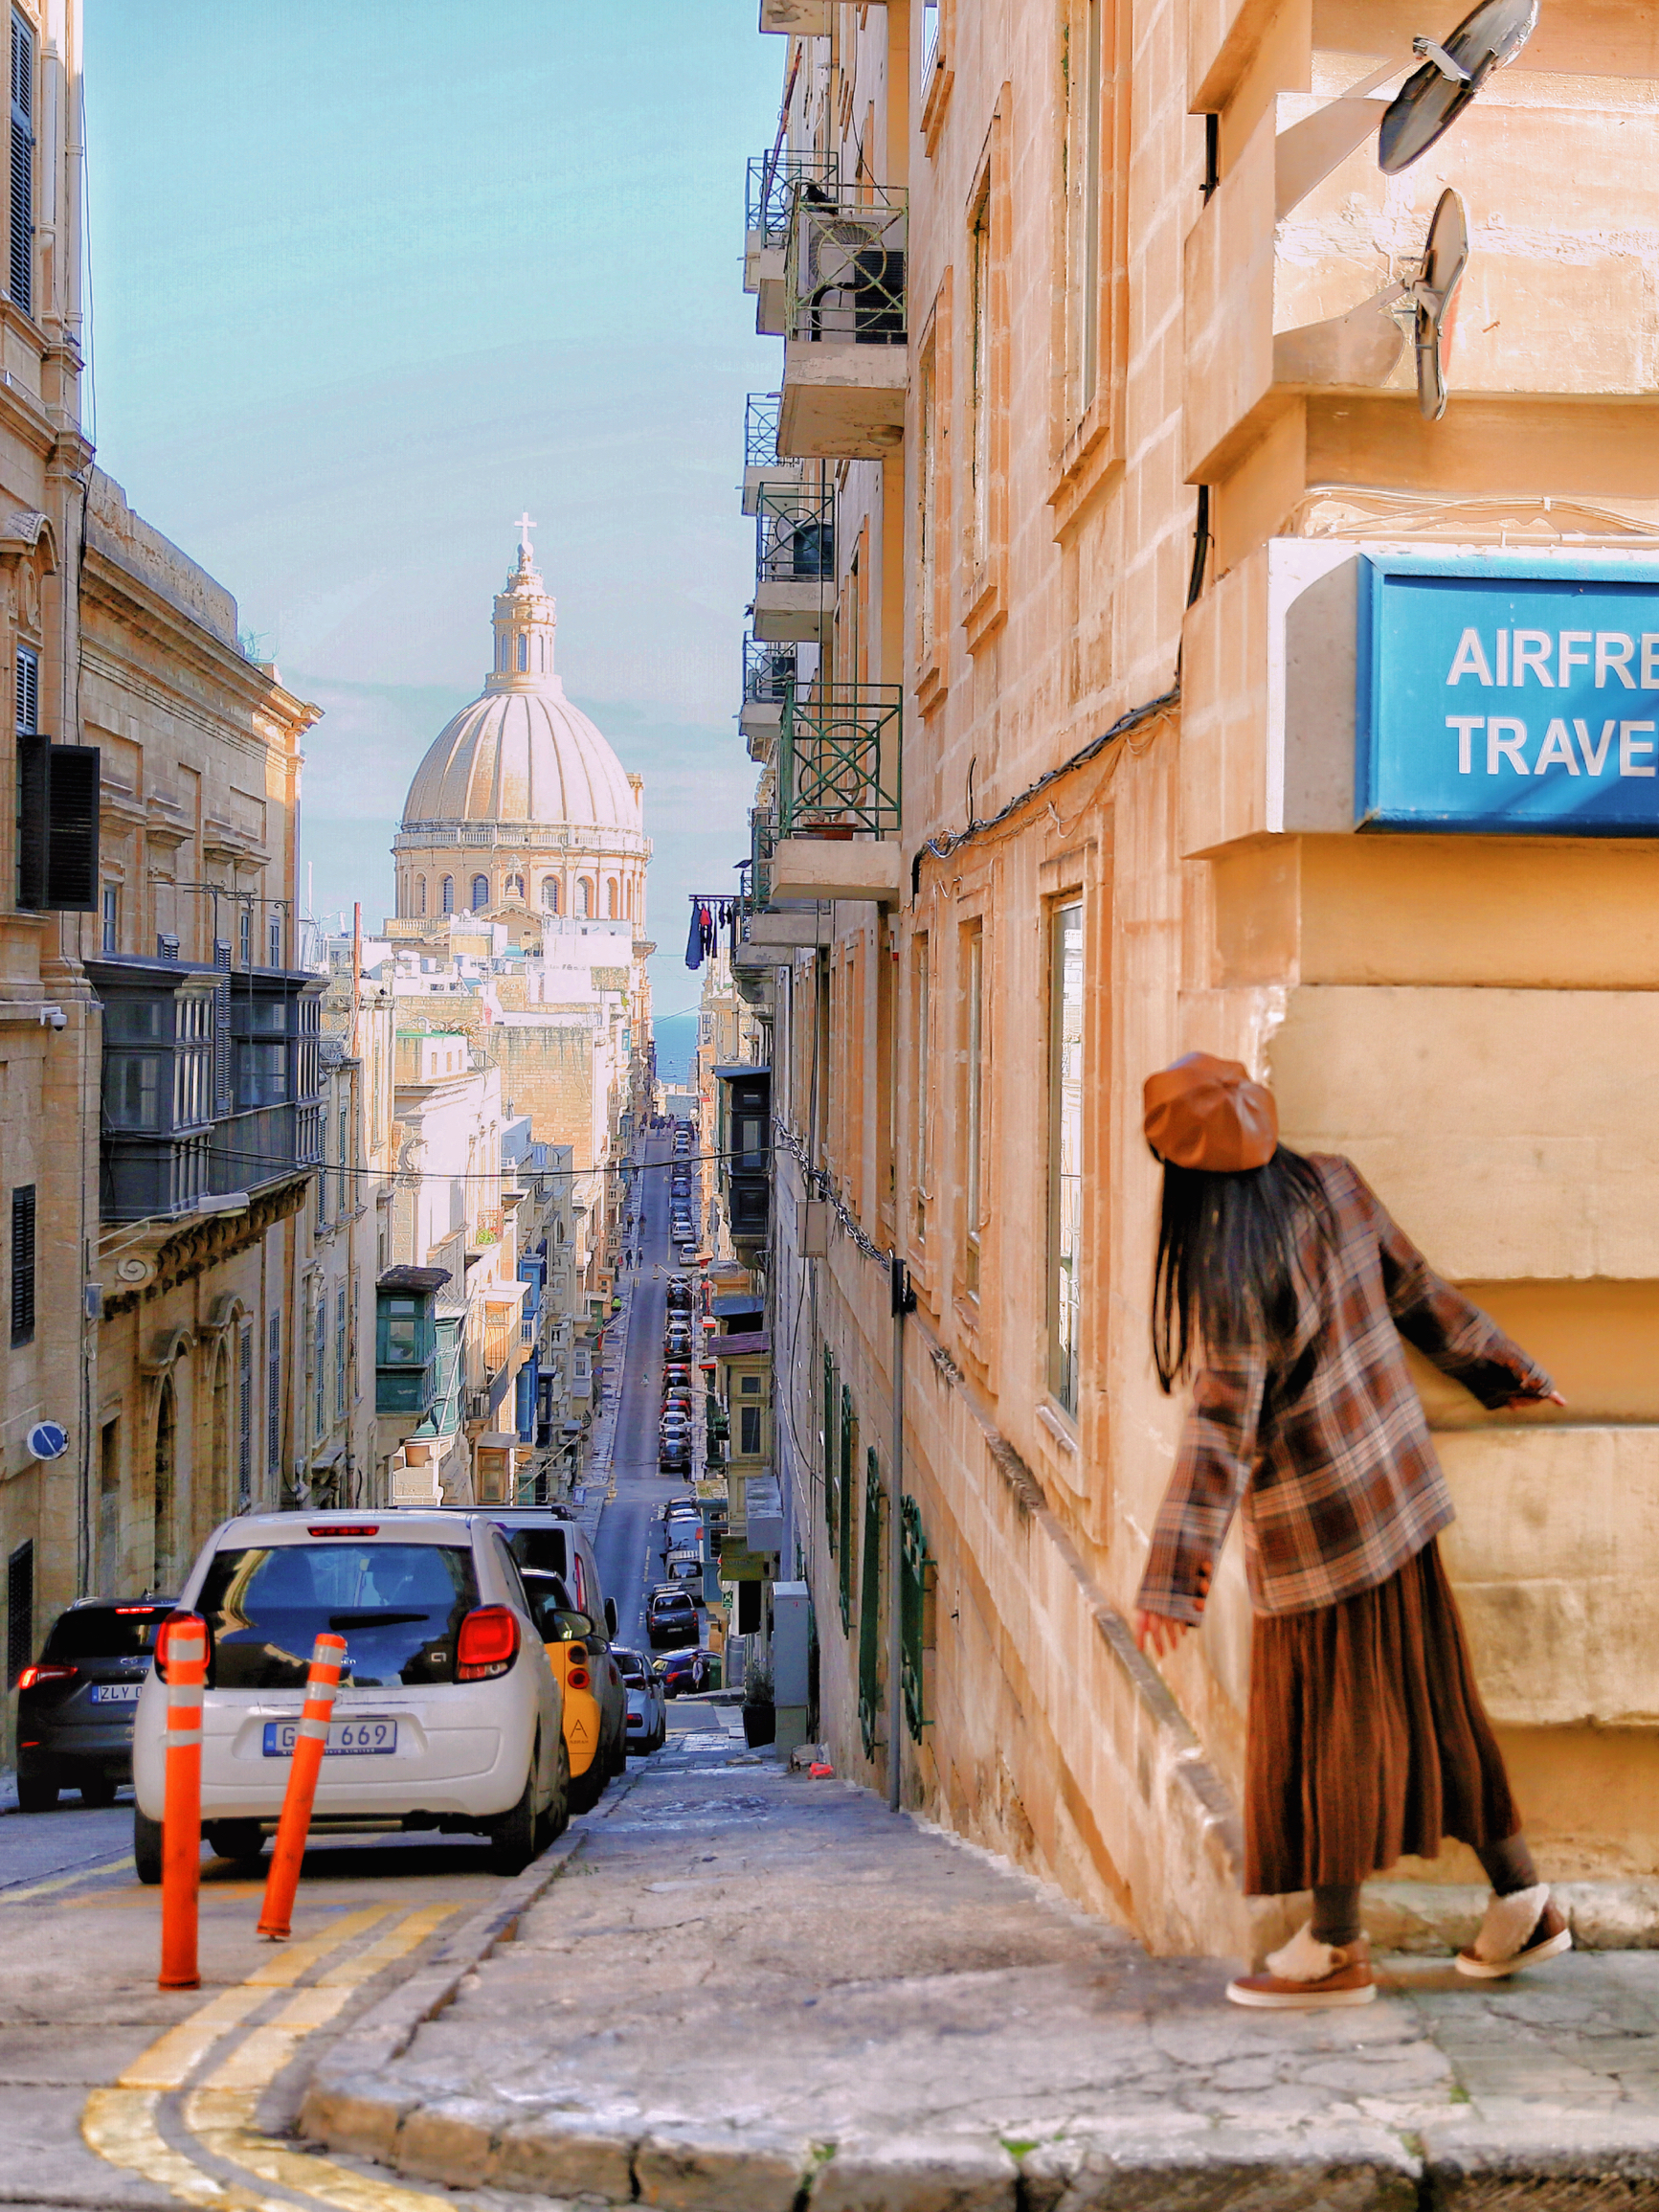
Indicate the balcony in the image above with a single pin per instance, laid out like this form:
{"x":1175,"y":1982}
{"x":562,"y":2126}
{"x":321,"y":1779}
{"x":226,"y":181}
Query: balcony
{"x":839,"y":760}
{"x":406,"y":1340}
{"x":768,"y":209}
{"x":769,"y":680}
{"x":762,"y":839}
{"x":845,"y":356}
{"x":793,"y":567}
{"x":763,"y":469}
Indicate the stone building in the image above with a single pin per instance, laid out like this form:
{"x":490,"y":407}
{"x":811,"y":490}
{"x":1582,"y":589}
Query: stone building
{"x":1144,"y":633}
{"x":211,"y":1340}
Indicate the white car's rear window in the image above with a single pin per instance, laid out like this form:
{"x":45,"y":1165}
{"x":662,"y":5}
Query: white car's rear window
{"x":398,"y":1605}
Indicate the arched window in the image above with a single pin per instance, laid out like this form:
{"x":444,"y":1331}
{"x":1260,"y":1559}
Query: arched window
{"x":628,"y":898}
{"x":551,"y":893}
{"x":612,"y":908}
{"x":514,"y":887}
{"x":448,"y":895}
{"x":480,"y":893}
{"x":524,"y":654}
{"x":421,"y":895}
{"x":221,"y":1437}
{"x":584,"y":897}
{"x":162,"y":1503}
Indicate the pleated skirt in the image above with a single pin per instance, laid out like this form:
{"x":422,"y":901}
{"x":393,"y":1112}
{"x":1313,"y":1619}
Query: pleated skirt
{"x":1367,"y":1737}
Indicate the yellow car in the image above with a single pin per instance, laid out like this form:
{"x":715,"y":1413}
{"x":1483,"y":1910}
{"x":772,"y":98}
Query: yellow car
{"x":595,"y":1700}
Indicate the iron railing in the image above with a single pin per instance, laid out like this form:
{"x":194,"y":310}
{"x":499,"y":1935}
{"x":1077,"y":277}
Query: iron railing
{"x":795,"y":536}
{"x":838,"y":759}
{"x":768,"y":673}
{"x":762,"y":844}
{"x":774,"y":179}
{"x":846,"y":268}
{"x":760,"y":413}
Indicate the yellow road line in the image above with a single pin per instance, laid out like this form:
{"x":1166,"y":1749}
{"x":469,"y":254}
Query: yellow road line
{"x":171,"y":2060}
{"x":395,"y":1944}
{"x":286,"y":1964}
{"x":63,"y":1881}
{"x":222,"y":2121}
{"x":119,"y":2126}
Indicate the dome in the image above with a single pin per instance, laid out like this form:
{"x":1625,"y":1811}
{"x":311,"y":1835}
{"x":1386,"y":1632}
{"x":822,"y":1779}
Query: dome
{"x":521,"y":753}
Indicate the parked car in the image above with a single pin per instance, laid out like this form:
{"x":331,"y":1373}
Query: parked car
{"x":685,"y":1565}
{"x":670,"y":1617}
{"x":76,"y":1704}
{"x":647,"y":1700}
{"x":673,"y":1455}
{"x":596,"y":1705}
{"x":547,"y":1538}
{"x":448,"y":1714}
{"x":686,"y":1672}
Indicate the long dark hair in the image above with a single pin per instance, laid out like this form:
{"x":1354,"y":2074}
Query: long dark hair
{"x":1230,"y":1249}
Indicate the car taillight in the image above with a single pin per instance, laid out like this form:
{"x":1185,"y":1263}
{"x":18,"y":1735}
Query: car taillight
{"x":488,"y":1643}
{"x":577,"y":1678}
{"x":342,"y":1528}
{"x":30,"y":1676}
{"x":162,"y":1639}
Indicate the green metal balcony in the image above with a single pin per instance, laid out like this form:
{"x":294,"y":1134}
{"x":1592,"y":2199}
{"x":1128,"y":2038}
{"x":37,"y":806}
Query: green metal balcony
{"x":838,"y":761}
{"x":774,"y":179}
{"x":763,"y":835}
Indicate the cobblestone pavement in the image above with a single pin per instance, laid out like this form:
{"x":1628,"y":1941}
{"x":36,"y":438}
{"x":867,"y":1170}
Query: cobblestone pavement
{"x":746,"y":1985}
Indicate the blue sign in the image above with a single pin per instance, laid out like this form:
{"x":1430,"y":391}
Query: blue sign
{"x":1497,"y":695}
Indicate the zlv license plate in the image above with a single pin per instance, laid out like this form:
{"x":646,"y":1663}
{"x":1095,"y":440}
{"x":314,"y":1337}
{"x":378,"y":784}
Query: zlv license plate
{"x":354,"y":1738}
{"x":115,"y":1693}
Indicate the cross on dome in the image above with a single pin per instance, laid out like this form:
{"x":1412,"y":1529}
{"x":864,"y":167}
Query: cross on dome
{"x":525,"y":526}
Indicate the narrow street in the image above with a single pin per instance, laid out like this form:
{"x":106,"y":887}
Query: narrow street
{"x":95,"y":2062}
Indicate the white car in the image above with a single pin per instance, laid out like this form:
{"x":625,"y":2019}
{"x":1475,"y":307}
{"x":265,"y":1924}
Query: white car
{"x":448,"y":1714}
{"x":647,"y":1700}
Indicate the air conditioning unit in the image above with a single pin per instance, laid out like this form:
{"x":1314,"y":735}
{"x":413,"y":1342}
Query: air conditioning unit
{"x":478,"y":1405}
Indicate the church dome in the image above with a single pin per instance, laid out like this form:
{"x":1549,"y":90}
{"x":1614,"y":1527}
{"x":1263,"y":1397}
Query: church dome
{"x":521,"y":753}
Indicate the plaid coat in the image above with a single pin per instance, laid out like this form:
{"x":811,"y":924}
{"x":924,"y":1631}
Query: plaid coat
{"x":1323,"y":1438}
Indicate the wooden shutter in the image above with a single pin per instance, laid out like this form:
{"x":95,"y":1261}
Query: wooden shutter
{"x":245,"y":1416}
{"x":58,"y":797}
{"x":23,"y":1264}
{"x":21,"y":275}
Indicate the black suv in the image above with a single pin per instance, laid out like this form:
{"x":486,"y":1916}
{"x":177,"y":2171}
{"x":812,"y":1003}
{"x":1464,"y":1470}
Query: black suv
{"x":75,"y":1707}
{"x":670,"y":1618}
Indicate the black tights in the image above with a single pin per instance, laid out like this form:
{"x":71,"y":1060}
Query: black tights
{"x":1508,"y":1867}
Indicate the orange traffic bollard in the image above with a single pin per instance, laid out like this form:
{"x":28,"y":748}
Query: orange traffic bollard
{"x":184,"y":1659}
{"x":310,"y":1742}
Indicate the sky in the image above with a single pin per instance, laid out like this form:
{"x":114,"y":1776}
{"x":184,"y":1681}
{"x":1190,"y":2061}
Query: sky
{"x":368,"y":283}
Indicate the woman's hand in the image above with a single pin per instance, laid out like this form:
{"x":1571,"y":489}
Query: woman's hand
{"x":1550,"y":1398}
{"x":1158,"y":1633}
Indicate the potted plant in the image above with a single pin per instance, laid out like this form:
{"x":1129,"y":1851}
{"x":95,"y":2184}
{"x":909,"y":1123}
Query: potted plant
{"x":759,"y":1708}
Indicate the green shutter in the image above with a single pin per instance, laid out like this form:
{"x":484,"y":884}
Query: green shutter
{"x":915,"y":1591}
{"x":830,"y":1508}
{"x":845,"y":1510}
{"x":870,"y":1607}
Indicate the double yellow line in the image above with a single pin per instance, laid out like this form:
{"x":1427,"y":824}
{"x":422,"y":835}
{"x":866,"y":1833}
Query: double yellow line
{"x":215,"y":2115}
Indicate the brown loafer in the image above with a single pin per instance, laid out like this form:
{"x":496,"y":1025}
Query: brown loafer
{"x":1347,"y":1981}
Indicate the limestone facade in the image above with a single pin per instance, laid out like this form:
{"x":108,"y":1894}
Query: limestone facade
{"x":1096,"y":531}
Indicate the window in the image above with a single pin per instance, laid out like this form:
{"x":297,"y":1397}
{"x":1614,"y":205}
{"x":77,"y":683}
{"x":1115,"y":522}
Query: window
{"x":980,"y":372}
{"x":22,"y":263}
{"x":551,"y":893}
{"x":916,"y":1637}
{"x":611,"y":909}
{"x":524,"y":654}
{"x":1087,"y":155}
{"x":274,"y":935}
{"x":109,"y":1511}
{"x":421,"y":895}
{"x":340,"y":1335}
{"x":922,"y":1028}
{"x":514,"y":887}
{"x":19,"y":1612}
{"x":261,"y":1073}
{"x":1065,"y":1150}
{"x":870,"y":1605}
{"x":749,"y":1430}
{"x":23,"y":1264}
{"x":320,"y":1365}
{"x":132,"y":1090}
{"x":446,"y":895}
{"x":845,"y":1506}
{"x":972,"y":1101}
{"x":245,"y":937}
{"x":347,"y":1186}
{"x":928,"y":511}
{"x":273,"y":1395}
{"x":930,"y":36}
{"x":112,"y":917}
{"x":480,"y":893}
{"x":28,"y":693}
{"x":584,"y":897}
{"x":245,"y":1416}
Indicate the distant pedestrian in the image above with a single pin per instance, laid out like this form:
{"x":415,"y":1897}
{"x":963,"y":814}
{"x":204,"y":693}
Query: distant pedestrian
{"x":1283,"y":1289}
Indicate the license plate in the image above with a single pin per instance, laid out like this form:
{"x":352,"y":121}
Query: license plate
{"x":116,"y":1693}
{"x":357,"y":1739}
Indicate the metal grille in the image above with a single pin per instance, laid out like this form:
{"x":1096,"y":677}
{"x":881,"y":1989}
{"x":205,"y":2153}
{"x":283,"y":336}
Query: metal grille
{"x":774,"y":181}
{"x":768,"y":672}
{"x":915,"y":1595}
{"x":760,"y":415}
{"x":844,"y":1508}
{"x":831,"y":1488}
{"x":870,"y":1607}
{"x":23,"y":1264}
{"x":838,"y":759}
{"x":795,"y":536}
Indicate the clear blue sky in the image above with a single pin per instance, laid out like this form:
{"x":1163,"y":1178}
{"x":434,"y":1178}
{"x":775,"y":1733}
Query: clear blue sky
{"x":365,"y":283}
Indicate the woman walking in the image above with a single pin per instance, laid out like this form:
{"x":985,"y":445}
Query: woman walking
{"x":1282,"y":1290}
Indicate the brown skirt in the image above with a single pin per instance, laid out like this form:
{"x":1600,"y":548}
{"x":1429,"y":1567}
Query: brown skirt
{"x":1367,"y":1737}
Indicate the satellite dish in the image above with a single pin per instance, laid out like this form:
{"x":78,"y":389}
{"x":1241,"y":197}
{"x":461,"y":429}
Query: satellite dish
{"x":46,"y":1440}
{"x":1444,"y":259}
{"x":1433,"y":97}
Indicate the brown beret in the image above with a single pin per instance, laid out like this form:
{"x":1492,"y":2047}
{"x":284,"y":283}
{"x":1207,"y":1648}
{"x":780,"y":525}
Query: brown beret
{"x":1208,"y":1113}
